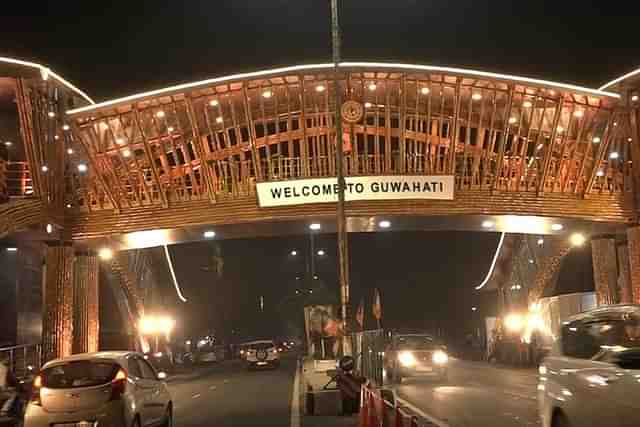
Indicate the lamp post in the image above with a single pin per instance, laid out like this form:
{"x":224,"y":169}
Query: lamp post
{"x":343,"y":249}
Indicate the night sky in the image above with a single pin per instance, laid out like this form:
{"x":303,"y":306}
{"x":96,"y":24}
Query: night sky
{"x":116,"y":48}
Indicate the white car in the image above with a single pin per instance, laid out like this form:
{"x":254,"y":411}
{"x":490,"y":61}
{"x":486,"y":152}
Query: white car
{"x":115,"y":388}
{"x":262,"y":354}
{"x":592,"y":375}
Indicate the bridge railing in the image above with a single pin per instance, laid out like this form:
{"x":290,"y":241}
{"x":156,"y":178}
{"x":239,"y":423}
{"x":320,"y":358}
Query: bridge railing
{"x":23,"y":359}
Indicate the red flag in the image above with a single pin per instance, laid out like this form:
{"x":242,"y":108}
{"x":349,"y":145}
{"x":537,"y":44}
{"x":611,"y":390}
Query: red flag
{"x":360,"y":314}
{"x":377,"y":305}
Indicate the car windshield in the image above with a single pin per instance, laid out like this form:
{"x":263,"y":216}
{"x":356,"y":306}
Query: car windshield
{"x":79,"y":374}
{"x":423,"y":342}
{"x":597,"y":338}
{"x":261,"y":346}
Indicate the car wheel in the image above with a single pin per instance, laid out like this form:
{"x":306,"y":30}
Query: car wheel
{"x":168,"y":418}
{"x":560,"y":420}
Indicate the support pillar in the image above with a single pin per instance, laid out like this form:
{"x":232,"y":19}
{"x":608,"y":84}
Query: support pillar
{"x":605,"y":270}
{"x":633,"y":245}
{"x":624,"y":278}
{"x":86,"y":318}
{"x":57,"y":319}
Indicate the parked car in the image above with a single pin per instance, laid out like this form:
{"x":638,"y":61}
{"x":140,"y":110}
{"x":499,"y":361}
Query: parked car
{"x":116,"y":388}
{"x":411,"y":355}
{"x":262,"y":354}
{"x":590,"y":378}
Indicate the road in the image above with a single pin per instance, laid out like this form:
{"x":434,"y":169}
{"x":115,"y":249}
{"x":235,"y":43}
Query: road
{"x":226,"y":394}
{"x":477,"y":394}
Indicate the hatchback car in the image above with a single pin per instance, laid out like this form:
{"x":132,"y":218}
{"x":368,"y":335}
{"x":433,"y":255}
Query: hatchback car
{"x":592,"y":375}
{"x":411,"y":355}
{"x":99,"y":389}
{"x":262,"y":354}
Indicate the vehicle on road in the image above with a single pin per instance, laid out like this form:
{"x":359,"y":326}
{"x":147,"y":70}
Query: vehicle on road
{"x":412,"y":355}
{"x":116,"y":388}
{"x":262,"y":354}
{"x":590,"y":378}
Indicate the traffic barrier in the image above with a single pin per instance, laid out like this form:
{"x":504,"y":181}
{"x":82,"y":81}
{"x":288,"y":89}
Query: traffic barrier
{"x":375,"y":411}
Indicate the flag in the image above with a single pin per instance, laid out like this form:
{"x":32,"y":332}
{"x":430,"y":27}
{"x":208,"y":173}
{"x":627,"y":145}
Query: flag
{"x":377,"y":305}
{"x":360,"y":314}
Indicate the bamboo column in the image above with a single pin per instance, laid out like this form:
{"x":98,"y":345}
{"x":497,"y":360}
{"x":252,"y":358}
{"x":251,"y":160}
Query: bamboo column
{"x":605,"y":270}
{"x":57,"y":319}
{"x":86,"y":318}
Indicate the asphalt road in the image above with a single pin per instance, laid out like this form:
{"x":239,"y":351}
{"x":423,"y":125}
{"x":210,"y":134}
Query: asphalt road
{"x":226,"y":394}
{"x":477,"y":394}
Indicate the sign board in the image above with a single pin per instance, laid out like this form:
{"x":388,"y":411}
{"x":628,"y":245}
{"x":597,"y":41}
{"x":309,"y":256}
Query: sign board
{"x":325,"y":190}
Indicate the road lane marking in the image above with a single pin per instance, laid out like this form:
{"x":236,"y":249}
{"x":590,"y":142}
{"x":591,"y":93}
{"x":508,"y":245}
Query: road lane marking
{"x":295,"y":399}
{"x":423,"y":414}
{"x":195,"y":396}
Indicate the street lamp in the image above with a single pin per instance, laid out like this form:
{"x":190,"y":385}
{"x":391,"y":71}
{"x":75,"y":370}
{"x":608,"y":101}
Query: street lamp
{"x":314,"y":226}
{"x":321,"y":252}
{"x":156,"y":325}
{"x":294,"y":252}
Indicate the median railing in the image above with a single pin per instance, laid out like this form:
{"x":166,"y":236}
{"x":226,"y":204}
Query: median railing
{"x":23,"y":359}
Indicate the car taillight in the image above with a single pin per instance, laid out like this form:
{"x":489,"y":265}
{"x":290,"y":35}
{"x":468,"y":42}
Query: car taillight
{"x":35,"y":399}
{"x":118,"y":385}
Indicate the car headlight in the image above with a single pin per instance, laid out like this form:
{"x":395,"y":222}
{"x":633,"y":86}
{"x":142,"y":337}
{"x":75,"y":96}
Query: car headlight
{"x":440,"y":357}
{"x":406,"y":359}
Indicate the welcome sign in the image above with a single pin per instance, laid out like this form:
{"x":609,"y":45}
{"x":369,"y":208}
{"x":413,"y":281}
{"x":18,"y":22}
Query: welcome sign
{"x":325,"y":190}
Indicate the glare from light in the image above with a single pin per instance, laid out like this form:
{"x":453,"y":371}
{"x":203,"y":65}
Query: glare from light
{"x":44,"y":168}
{"x":214,"y":102}
{"x":615,"y":123}
{"x":320,"y":88}
{"x":51,"y":114}
{"x":12,"y":249}
{"x":8,"y":143}
{"x":119,"y":141}
{"x":315,"y":277}
{"x":160,"y":114}
{"x":126,"y":153}
{"x":170,"y":129}
{"x":596,"y":139}
{"x":266,"y":94}
{"x":578,"y":113}
{"x":56,"y":137}
{"x":577,"y":239}
{"x":372,"y":87}
{"x":406,"y":359}
{"x":219,"y":119}
{"x":173,"y":274}
{"x":294,"y":253}
{"x":321,"y":252}
{"x":188,"y":342}
{"x":493,"y":263}
{"x":600,"y":172}
{"x":634,"y":98}
{"x":476,"y":97}
{"x":425,"y":91}
{"x":65,"y":127}
{"x":540,"y":241}
{"x":368,"y":105}
{"x":209,"y":234}
{"x":49,"y":228}
{"x":82,"y":168}
{"x":384,"y":224}
{"x":147,"y":239}
{"x":560,"y":129}
{"x":542,"y":370}
{"x":557,"y":227}
{"x":540,"y":147}
{"x":440,"y":357}
{"x":614,"y":155}
{"x":629,"y":139}
{"x":68,"y":205}
{"x":487,"y":224}
{"x":315,"y":226}
{"x":69,"y":151}
{"x":527,"y":104}
{"x":105,"y":254}
{"x":512,"y":120}
{"x":531,"y":261}
{"x":514,"y":322}
{"x":474,"y":308}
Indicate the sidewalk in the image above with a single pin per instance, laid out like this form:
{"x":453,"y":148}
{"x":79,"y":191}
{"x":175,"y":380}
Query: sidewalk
{"x":314,"y":378}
